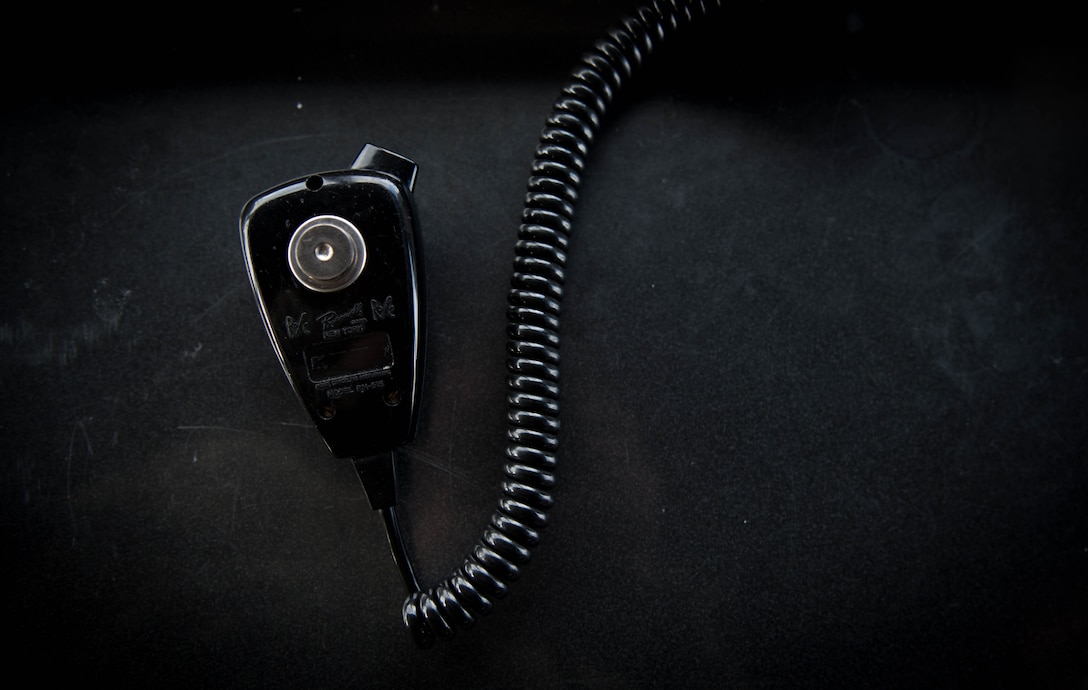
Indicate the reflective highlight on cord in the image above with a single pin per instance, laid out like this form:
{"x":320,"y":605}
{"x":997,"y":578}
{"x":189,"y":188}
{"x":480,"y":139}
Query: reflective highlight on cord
{"x":535,"y":298}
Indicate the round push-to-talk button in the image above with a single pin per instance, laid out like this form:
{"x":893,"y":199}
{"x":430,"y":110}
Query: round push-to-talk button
{"x":327,"y":253}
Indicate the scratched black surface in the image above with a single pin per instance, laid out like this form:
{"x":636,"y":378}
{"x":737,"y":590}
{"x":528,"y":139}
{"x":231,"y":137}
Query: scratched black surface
{"x":824,"y":356}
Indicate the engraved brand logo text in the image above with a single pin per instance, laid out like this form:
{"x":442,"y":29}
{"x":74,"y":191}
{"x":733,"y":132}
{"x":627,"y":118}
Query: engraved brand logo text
{"x":380,"y":311}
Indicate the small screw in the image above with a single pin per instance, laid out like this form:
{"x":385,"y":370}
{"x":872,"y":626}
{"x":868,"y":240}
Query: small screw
{"x":324,"y":251}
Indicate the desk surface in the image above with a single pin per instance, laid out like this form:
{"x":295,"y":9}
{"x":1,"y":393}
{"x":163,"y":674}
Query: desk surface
{"x":824,"y":362}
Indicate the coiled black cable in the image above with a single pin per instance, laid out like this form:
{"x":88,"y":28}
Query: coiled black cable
{"x":535,"y":297}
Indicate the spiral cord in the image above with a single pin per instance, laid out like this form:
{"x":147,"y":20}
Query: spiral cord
{"x":533,"y":317}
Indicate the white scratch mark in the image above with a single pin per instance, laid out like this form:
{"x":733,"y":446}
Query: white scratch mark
{"x":180,"y":173}
{"x":213,"y":427}
{"x":449,"y":454}
{"x":81,"y":429}
{"x":433,"y":462}
{"x":233,"y":512}
{"x":222,"y":298}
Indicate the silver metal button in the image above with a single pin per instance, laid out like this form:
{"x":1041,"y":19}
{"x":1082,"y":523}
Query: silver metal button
{"x":327,"y":253}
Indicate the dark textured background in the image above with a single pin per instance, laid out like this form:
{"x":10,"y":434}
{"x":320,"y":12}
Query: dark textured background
{"x":825,"y":353}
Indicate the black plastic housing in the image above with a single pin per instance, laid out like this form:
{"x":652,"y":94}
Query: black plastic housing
{"x":353,"y":355}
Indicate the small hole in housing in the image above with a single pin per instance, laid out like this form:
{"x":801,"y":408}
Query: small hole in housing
{"x":327,"y":411}
{"x":314,"y":182}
